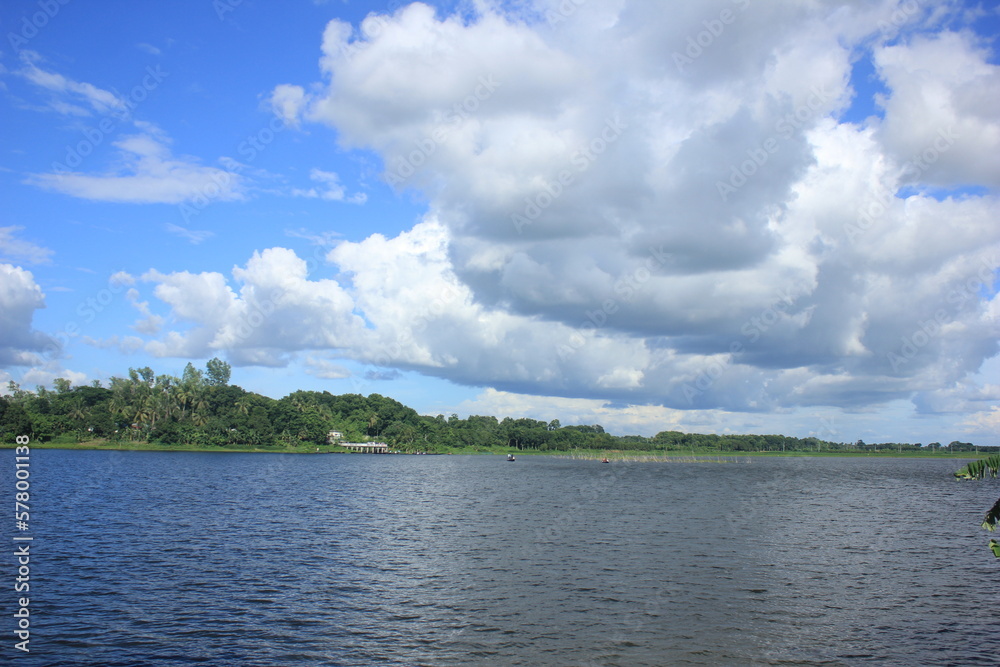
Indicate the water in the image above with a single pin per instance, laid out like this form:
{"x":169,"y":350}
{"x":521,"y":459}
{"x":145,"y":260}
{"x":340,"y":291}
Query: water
{"x":260,"y":559}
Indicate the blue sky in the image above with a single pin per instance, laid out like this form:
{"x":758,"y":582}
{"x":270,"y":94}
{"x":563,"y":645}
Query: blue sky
{"x":729,"y":217}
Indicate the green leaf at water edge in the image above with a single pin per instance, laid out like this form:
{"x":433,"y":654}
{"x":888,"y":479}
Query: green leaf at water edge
{"x":981,"y":468}
{"x":992,"y":518}
{"x":995,"y":546}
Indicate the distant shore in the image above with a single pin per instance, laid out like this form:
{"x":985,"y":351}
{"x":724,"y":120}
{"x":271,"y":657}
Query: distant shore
{"x":581,"y":454}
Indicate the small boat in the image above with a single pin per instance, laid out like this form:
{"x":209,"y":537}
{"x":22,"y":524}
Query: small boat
{"x":510,"y":457}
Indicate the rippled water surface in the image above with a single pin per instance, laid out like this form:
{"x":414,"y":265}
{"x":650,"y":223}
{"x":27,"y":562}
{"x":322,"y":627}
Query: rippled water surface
{"x":261,"y":559}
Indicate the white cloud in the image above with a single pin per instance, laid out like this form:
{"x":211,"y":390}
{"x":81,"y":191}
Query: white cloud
{"x":287,"y":103}
{"x":20,"y":297}
{"x":69,"y":94}
{"x":985,"y":423}
{"x":941,"y":121}
{"x":44,"y":374}
{"x":192,"y":236}
{"x":325,"y":369}
{"x":276,"y":310}
{"x":330,"y":189}
{"x":123,"y":344}
{"x":640,"y":419}
{"x":609,"y":224}
{"x":149,"y":174}
{"x":18,"y":250}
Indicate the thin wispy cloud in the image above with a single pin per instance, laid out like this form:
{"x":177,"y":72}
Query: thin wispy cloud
{"x":192,"y":236}
{"x":13,"y":248}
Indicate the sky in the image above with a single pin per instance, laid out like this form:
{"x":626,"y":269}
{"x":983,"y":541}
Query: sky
{"x":729,"y":216}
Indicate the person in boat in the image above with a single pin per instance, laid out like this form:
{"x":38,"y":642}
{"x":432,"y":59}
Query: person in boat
{"x":605,"y":460}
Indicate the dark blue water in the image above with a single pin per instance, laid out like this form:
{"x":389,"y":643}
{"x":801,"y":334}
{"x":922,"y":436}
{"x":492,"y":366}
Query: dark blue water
{"x":259,"y":559}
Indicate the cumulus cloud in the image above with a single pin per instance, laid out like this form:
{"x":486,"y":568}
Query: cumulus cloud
{"x":287,"y":102}
{"x":985,"y":422}
{"x":20,"y":297}
{"x":940,"y":120}
{"x":654,"y":207}
{"x":276,"y":310}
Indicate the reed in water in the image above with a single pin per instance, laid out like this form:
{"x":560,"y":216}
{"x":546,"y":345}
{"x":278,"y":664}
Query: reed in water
{"x":629,"y":457}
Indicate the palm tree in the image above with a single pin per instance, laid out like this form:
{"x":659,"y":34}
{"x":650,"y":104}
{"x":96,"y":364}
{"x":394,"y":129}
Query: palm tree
{"x":978,"y":470}
{"x":183,"y":396}
{"x":150,"y":410}
{"x":118,"y":404}
{"x":199,"y":419}
{"x":243,"y":404}
{"x":78,"y":413}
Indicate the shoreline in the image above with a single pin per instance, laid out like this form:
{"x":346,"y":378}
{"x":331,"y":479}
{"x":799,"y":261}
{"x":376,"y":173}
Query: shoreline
{"x":578,"y":454}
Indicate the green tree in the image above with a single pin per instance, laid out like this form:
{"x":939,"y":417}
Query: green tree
{"x":192,"y":378}
{"x":14,"y":421}
{"x":978,"y":470}
{"x":217,"y":372}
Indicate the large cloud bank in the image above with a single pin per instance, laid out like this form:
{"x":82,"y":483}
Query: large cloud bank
{"x":650,"y":204}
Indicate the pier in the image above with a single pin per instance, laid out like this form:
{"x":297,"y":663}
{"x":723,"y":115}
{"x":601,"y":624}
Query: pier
{"x":366,"y":447}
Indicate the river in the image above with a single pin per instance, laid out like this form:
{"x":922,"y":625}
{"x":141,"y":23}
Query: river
{"x":148,"y":558}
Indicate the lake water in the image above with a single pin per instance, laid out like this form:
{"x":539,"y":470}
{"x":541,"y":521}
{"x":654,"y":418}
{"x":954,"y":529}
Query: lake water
{"x":261,"y":559}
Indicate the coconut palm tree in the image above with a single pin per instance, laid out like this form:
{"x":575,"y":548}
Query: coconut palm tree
{"x":78,"y":413}
{"x":244,"y":404}
{"x":183,"y":395}
{"x":978,"y":470}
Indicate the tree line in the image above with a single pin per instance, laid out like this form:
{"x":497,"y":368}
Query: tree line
{"x":202,"y":408}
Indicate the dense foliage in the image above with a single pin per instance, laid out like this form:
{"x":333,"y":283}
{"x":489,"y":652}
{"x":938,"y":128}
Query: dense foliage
{"x":201,"y":408}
